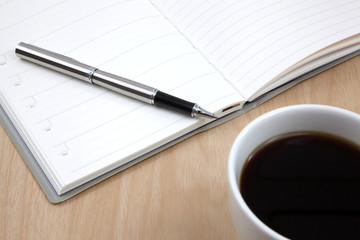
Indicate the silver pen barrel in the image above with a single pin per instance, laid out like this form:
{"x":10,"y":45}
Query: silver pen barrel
{"x":124,"y":86}
{"x":55,"y":61}
{"x":87,"y":73}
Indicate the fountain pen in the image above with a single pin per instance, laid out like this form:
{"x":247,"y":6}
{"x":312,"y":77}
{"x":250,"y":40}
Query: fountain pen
{"x":107,"y":80}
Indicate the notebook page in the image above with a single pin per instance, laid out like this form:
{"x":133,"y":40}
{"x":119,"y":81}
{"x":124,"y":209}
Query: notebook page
{"x":78,"y":131}
{"x":252,"y":41}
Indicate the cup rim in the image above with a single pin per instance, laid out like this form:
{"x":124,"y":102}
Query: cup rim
{"x":232,"y":179}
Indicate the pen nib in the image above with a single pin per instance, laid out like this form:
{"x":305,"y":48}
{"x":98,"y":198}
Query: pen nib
{"x":200,"y":112}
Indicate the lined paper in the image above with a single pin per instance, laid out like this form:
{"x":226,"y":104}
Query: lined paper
{"x":251,"y":41}
{"x":78,"y":131}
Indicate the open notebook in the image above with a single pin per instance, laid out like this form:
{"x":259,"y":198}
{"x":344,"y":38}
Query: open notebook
{"x":225,"y":55}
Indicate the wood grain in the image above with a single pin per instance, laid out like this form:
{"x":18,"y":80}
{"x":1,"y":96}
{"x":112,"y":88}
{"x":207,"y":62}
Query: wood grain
{"x":180,"y":193}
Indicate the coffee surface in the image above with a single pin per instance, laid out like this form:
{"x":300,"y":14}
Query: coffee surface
{"x":305,"y":185}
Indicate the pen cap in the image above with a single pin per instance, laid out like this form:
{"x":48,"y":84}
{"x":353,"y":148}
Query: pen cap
{"x":55,"y":61}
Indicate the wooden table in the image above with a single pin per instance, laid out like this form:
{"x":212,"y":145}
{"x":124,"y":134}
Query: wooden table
{"x":180,"y":193}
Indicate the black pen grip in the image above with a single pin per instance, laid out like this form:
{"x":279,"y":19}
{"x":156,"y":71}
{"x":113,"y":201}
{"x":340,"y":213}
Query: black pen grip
{"x":165,"y":100}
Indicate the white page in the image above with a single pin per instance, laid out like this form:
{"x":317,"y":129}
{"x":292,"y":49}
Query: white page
{"x":78,"y":131}
{"x":252,"y":41}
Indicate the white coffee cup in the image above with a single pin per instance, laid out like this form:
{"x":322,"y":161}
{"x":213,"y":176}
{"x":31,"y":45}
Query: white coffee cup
{"x":294,"y":118}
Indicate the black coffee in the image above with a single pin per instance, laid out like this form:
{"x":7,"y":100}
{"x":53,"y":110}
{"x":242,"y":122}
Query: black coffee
{"x":305,"y":185}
